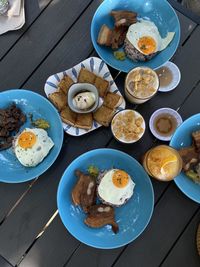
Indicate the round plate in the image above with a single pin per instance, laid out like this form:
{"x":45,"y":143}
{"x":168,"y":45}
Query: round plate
{"x":30,"y":103}
{"x":160,"y":12}
{"x":132,"y":218}
{"x":183,"y":138}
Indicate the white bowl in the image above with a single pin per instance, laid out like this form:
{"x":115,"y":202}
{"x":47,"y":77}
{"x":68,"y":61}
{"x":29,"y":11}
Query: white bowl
{"x":176,"y":77}
{"x":169,"y":111}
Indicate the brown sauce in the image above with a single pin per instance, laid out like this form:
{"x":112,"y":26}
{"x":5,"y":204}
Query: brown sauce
{"x":165,"y":124}
{"x":165,"y":76}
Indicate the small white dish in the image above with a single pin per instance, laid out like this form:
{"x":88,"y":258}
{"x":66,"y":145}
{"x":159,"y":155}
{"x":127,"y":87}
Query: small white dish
{"x":159,"y":112}
{"x":175,"y":79}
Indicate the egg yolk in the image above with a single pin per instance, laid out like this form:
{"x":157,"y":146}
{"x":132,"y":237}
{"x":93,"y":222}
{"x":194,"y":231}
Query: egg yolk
{"x":27,"y":140}
{"x":147,"y":45}
{"x":120,"y":178}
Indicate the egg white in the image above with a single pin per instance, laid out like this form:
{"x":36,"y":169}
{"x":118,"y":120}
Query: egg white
{"x":111,"y":194}
{"x":147,"y":28}
{"x":31,"y":157}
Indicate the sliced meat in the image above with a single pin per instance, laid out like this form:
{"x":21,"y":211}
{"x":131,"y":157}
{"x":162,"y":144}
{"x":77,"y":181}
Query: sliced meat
{"x":189,"y":156}
{"x":118,"y":36}
{"x":101,"y":215}
{"x":196,"y":139}
{"x":84,"y":192}
{"x":105,"y":36}
{"x":124,"y":17}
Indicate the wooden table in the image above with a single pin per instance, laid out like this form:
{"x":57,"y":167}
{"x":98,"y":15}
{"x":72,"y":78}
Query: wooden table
{"x":55,"y":37}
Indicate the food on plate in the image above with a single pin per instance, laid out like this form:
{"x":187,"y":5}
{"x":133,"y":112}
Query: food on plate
{"x":84,"y":121}
{"x":84,"y":100}
{"x":128,"y":126}
{"x":191,"y":158}
{"x":115,"y":187}
{"x":39,"y":123}
{"x":86,"y":76}
{"x":31,"y":146}
{"x":144,"y":38}
{"x":102,"y":86}
{"x":141,"y":84}
{"x":115,"y":37}
{"x":196,"y":140}
{"x":65,"y":83}
{"x":68,"y":116}
{"x":104,"y":115}
{"x":84,"y":192}
{"x":162,"y":162}
{"x":119,"y":55}
{"x":112,"y":100}
{"x":93,"y":170}
{"x":101,"y":215}
{"x":124,"y":17}
{"x":11,"y":119}
{"x":58,"y":99}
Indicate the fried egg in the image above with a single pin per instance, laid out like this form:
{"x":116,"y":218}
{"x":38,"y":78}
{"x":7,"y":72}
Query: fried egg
{"x":32,"y":146}
{"x":145,"y":37}
{"x":115,"y":187}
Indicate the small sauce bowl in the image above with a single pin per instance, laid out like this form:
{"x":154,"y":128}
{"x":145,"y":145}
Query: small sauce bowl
{"x":77,"y":88}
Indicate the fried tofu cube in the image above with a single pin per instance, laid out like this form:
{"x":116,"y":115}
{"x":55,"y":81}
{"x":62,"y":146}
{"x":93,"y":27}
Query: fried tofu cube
{"x":65,"y":84}
{"x":58,"y":99}
{"x":104,"y":115}
{"x":84,"y":121}
{"x":102,"y":86}
{"x":112,"y":100}
{"x":68,"y":116}
{"x":86,"y":76}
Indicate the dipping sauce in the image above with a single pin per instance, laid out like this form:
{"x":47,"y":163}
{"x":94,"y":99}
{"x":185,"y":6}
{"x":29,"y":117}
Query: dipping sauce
{"x":141,"y":84}
{"x":165,"y":76}
{"x":162,"y":162}
{"x":84,"y":100}
{"x":165,"y":124}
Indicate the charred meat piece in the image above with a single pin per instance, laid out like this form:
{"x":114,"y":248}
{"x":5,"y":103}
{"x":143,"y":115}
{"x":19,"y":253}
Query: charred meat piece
{"x":118,"y":36}
{"x":11,"y":119}
{"x":84,"y":192}
{"x":196,"y":139}
{"x":105,"y":36}
{"x":189,"y":156}
{"x":124,"y":18}
{"x":101,"y":215}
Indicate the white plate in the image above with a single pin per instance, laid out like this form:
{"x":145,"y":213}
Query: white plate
{"x":95,"y":65}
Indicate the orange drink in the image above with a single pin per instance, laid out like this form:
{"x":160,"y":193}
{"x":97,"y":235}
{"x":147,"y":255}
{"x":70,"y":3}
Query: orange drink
{"x":162,"y":162}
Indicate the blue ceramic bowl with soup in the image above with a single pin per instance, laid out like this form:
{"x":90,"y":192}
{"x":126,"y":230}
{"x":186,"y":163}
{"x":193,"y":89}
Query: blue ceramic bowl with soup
{"x":160,"y":13}
{"x":132,"y":218}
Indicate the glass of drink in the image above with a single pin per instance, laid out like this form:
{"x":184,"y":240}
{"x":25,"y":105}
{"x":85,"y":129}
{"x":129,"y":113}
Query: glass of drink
{"x":162,"y":163}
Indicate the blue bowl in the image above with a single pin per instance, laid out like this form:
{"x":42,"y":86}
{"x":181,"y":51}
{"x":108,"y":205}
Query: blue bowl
{"x":132,"y":218}
{"x":160,"y":12}
{"x":183,"y":138}
{"x":30,"y":103}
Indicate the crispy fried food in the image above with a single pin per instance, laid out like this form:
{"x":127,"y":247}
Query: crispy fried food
{"x":58,"y":99}
{"x":102,"y":86}
{"x":100,"y":215}
{"x":68,"y":116}
{"x":104,"y":115}
{"x":112,"y":100}
{"x":84,"y":192}
{"x":84,"y":121}
{"x":189,"y":156}
{"x":105,"y":36}
{"x":118,"y":36}
{"x":86,"y":76}
{"x":124,"y":17}
{"x":65,"y":84}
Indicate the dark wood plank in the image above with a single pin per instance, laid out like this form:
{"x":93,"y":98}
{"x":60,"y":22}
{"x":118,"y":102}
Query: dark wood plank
{"x":32,"y":10}
{"x":4,"y":263}
{"x":169,"y":219}
{"x":184,"y":253}
{"x":38,"y":41}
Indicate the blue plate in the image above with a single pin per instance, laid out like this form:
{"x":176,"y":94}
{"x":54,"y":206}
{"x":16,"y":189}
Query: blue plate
{"x":160,"y":12}
{"x":30,"y":103}
{"x":132,"y":218}
{"x":183,"y":138}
